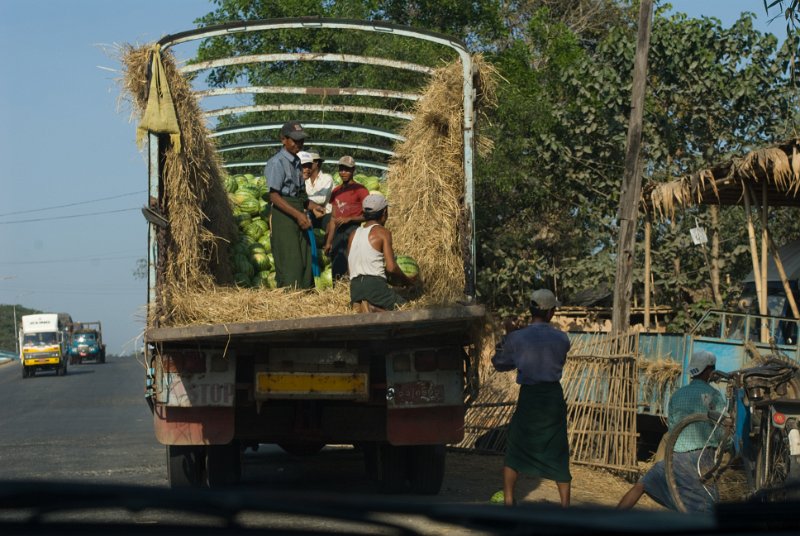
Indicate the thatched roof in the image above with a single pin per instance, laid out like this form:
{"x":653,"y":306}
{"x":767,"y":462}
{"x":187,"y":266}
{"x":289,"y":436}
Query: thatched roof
{"x":777,"y":166}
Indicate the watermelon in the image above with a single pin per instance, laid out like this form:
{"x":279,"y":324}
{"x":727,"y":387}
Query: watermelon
{"x":230,"y":184}
{"x":261,"y":261}
{"x":272,"y":282}
{"x":242,"y":265}
{"x":265,"y":243}
{"x":262,"y":225}
{"x":252,"y":230}
{"x":263,"y":278}
{"x":408,"y":265}
{"x":242,"y":280}
{"x":249,"y":205}
{"x":337,"y":180}
{"x":372,"y":183}
{"x":319,"y":237}
{"x":324,"y":280}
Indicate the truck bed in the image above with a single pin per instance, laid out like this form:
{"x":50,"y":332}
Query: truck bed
{"x":453,"y":321}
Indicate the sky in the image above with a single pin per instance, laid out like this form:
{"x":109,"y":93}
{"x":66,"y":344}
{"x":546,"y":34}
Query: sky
{"x":71,"y":176}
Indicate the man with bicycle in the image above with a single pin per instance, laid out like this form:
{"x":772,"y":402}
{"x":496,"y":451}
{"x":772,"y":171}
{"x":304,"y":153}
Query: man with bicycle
{"x":693,"y":448}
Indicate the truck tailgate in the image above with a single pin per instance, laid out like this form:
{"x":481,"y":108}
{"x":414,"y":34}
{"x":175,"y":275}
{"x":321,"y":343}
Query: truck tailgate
{"x":456,"y":320}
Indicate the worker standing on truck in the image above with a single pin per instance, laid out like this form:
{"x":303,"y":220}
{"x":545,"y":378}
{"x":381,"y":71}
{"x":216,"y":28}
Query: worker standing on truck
{"x":291,"y":248}
{"x":319,"y":186}
{"x":371,"y":257}
{"x":537,"y":435}
{"x":693,"y":450}
{"x":347,"y":215}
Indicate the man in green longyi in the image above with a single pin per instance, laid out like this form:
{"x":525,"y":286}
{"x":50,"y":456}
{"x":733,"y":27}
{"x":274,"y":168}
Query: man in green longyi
{"x":537,"y":436}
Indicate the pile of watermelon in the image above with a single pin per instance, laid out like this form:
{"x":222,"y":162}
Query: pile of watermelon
{"x":371,"y":182}
{"x":252,"y":260}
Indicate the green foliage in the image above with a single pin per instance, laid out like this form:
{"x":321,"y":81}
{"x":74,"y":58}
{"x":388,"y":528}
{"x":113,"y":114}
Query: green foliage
{"x":8,"y":333}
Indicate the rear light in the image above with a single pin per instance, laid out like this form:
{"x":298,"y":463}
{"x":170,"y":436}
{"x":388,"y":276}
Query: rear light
{"x":779,"y":419}
{"x":425,"y":360}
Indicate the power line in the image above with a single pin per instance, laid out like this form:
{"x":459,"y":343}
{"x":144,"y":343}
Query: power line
{"x":71,"y":204}
{"x":69,"y":217}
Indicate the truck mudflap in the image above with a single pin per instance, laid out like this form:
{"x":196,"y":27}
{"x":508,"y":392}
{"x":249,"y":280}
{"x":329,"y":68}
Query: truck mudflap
{"x":194,"y":393}
{"x":425,"y":396}
{"x":425,"y":426}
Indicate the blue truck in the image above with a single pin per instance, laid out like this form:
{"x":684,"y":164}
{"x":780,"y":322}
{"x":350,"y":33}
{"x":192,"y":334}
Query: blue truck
{"x":87,"y":343}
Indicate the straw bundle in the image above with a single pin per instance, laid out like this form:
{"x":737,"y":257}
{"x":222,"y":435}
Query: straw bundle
{"x":201,"y":224}
{"x":195,"y":285}
{"x":659,"y":379}
{"x":426,"y":181}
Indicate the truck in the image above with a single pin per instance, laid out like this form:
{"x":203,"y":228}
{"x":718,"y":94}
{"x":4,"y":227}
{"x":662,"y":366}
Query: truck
{"x":393,"y":384}
{"x":87,"y":343}
{"x":44,"y":343}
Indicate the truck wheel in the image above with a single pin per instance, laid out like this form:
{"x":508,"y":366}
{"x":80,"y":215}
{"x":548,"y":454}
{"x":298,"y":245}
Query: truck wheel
{"x":391,"y":468}
{"x":302,"y":449}
{"x":102,"y":358}
{"x":62,"y":370}
{"x":426,"y":468}
{"x":223,"y":465}
{"x":185,"y":465}
{"x":25,"y":373}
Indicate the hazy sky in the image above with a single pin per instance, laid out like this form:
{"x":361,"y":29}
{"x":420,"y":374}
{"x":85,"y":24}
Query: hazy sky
{"x":65,"y":140}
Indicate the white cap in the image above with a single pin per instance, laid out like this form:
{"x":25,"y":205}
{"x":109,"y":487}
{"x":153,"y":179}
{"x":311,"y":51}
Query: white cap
{"x":700,"y":361}
{"x":544,"y":299}
{"x":305,"y":158}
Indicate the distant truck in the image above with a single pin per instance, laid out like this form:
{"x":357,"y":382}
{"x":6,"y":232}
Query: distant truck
{"x":44,"y":343}
{"x":87,"y":343}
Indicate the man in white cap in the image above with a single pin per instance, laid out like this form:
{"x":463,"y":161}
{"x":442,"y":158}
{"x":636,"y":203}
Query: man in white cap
{"x":371,"y":257}
{"x":289,"y":222}
{"x":537,"y":435}
{"x":693,"y":449}
{"x":319,"y":186}
{"x":347,"y":215}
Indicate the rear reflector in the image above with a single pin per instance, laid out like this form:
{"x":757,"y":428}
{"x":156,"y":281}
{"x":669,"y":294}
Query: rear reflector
{"x":779,"y":418}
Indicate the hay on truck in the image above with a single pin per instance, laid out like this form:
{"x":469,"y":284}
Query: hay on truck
{"x":429,"y":223}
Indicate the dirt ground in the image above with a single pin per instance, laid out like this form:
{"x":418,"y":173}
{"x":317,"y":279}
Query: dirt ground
{"x":475,"y":477}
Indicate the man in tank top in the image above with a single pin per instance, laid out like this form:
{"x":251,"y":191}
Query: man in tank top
{"x":370,"y":257}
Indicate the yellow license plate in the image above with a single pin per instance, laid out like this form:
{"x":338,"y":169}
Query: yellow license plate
{"x":340,"y":384}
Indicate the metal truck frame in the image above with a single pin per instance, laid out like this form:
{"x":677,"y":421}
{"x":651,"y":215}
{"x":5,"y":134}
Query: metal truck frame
{"x":394,"y":384}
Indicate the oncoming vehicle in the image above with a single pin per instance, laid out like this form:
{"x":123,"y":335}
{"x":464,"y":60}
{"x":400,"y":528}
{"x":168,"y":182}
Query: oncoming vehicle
{"x":87,"y":343}
{"x":44,"y":343}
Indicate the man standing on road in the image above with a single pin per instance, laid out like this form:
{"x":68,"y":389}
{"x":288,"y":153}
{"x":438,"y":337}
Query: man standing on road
{"x":347,"y":215}
{"x":694,"y":443}
{"x":289,"y":222}
{"x":537,"y":435}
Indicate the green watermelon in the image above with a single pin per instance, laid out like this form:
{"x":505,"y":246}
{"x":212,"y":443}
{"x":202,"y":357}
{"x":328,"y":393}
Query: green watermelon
{"x":273,"y":283}
{"x":249,"y":205}
{"x":324,"y":280}
{"x":230,"y":184}
{"x":337,"y":180}
{"x":265,"y":242}
{"x":242,"y":265}
{"x":252,"y":230}
{"x":261,"y":261}
{"x":242,"y":280}
{"x":264,"y":278}
{"x":372,"y":183}
{"x":408,"y":265}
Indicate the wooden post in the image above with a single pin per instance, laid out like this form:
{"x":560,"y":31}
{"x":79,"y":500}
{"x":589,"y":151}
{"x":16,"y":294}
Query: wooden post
{"x":785,"y":280}
{"x":751,"y":233}
{"x":764,"y":306}
{"x":715,"y":291}
{"x":631,"y":190}
{"x":648,"y":226}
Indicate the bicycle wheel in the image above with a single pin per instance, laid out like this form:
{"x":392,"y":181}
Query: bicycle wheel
{"x":680,"y":466}
{"x":774,"y":461}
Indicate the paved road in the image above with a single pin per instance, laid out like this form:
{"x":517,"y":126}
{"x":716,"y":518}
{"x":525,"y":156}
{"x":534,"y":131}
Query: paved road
{"x":91,"y":425}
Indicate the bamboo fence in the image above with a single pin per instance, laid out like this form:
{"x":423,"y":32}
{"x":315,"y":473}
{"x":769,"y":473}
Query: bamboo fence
{"x":600,"y":381}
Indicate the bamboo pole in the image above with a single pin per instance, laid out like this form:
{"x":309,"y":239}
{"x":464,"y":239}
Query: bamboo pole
{"x":785,"y":280}
{"x":648,"y":226}
{"x":751,"y":233}
{"x":714,"y":210}
{"x":763,"y":307}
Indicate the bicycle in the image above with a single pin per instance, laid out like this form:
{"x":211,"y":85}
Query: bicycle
{"x":745,"y":432}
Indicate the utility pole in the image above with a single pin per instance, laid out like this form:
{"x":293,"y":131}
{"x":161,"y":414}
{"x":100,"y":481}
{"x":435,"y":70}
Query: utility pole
{"x":631,"y":191}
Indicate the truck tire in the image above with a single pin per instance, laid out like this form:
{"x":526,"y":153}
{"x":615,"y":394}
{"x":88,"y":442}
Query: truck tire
{"x":185,"y":465}
{"x":391,"y":468}
{"x":26,"y":373}
{"x":302,"y":449}
{"x":426,"y":468}
{"x":102,"y":358}
{"x":62,"y":370}
{"x":223,"y":465}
